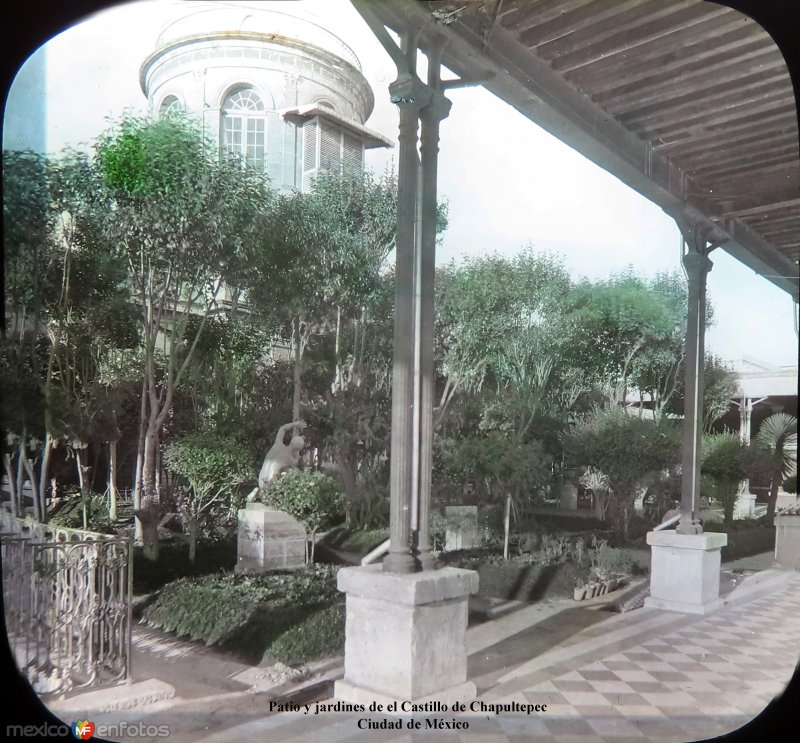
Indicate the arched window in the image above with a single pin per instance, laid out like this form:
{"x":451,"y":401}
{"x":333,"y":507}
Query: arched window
{"x":170,"y":105}
{"x":244,"y":126}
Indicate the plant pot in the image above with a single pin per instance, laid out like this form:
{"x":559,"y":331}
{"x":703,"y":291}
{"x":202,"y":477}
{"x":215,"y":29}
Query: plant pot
{"x":579,"y":593}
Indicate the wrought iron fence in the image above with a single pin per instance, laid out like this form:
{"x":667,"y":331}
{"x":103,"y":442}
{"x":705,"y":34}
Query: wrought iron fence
{"x":67,"y":597}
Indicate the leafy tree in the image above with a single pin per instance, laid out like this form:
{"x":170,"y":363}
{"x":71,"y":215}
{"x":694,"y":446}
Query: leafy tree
{"x":626,"y":449}
{"x":777,"y":439}
{"x":320,"y":260}
{"x":30,"y":260}
{"x":350,"y":415}
{"x":621,"y":325}
{"x":719,"y":386}
{"x":73,"y":303}
{"x":185,"y":218}
{"x":501,"y":470}
{"x":218,"y":470}
{"x":222,"y":380}
{"x":725,"y":461}
{"x":313,"y":498}
{"x":501,"y":333}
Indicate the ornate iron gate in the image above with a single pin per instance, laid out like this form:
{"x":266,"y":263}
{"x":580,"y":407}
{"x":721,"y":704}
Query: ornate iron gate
{"x":67,"y":596}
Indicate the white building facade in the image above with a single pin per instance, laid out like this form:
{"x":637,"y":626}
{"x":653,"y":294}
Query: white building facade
{"x":278,"y":90}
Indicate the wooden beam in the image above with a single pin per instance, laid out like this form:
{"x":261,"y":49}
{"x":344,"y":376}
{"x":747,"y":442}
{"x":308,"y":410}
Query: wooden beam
{"x":714,"y":70}
{"x":596,"y":23}
{"x":773,"y":173}
{"x":537,"y":90}
{"x":725,"y":150}
{"x":675,"y":27}
{"x":693,"y":99}
{"x":529,"y":13}
{"x":688,"y":145}
{"x":583,"y":16}
{"x":776,"y":233}
{"x":756,"y":210}
{"x":665,"y":61}
{"x":746,"y":169}
{"x":722,"y":123}
{"x":791,"y":221}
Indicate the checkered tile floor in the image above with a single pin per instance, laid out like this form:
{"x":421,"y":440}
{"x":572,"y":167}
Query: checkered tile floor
{"x":690,"y":679}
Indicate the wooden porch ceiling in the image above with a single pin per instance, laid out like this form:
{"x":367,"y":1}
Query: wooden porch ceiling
{"x":688,"y":102}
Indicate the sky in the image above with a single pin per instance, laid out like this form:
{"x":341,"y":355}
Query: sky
{"x":507,"y":182}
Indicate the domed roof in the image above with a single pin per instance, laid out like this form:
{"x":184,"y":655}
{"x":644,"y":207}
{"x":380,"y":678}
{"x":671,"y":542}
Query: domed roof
{"x":198,"y":18}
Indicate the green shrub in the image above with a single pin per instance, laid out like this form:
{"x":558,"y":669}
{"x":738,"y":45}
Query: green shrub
{"x":725,"y":462}
{"x":243,"y":614}
{"x":313,"y":498}
{"x":318,"y":636}
{"x":608,"y":560}
{"x":70,"y":515}
{"x":628,"y":450}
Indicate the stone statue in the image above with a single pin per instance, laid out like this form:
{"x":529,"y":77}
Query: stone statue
{"x":280,"y":457}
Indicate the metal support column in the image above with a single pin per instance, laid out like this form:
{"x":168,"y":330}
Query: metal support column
{"x":412,"y":376}
{"x":410,"y":95}
{"x":437,"y":109}
{"x":697,"y":265}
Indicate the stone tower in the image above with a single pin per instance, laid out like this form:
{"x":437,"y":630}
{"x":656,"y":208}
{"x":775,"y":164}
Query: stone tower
{"x":278,"y":89}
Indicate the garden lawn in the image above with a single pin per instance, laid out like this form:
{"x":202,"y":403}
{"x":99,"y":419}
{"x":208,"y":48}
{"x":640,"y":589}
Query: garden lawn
{"x":291,"y":617}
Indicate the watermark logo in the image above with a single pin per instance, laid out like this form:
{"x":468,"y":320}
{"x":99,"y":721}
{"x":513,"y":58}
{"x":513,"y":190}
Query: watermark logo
{"x":83,"y":730}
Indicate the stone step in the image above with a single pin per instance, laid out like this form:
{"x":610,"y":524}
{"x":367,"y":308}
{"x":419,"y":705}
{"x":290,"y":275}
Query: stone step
{"x":121,"y":697}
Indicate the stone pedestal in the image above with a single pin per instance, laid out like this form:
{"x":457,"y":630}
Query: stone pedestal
{"x":269,"y":540}
{"x":405,"y":635}
{"x":785,"y":500}
{"x":787,"y":541}
{"x":568,"y":497}
{"x":684,"y":571}
{"x":462,"y":528}
{"x":745,"y":502}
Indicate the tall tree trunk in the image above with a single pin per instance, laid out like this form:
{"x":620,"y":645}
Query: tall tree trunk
{"x":80,"y":454}
{"x":112,"y":480}
{"x":506,"y":526}
{"x":148,"y":514}
{"x":20,"y":476}
{"x":44,"y":471}
{"x":157,"y":470}
{"x":313,"y":544}
{"x":599,"y":505}
{"x":297,"y":371}
{"x":37,"y":512}
{"x":138,"y":484}
{"x":12,"y":485}
{"x":772,"y":501}
{"x":192,"y":537}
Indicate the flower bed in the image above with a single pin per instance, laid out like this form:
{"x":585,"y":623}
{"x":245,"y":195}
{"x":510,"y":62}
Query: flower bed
{"x":551,"y":566}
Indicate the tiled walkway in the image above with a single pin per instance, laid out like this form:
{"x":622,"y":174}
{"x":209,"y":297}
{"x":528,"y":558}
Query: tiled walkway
{"x":647,"y":675}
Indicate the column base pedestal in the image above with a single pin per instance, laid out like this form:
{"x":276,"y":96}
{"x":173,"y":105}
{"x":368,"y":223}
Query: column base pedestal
{"x":684,"y":607}
{"x":684,"y":571}
{"x":405,"y":635}
{"x":348,"y":692}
